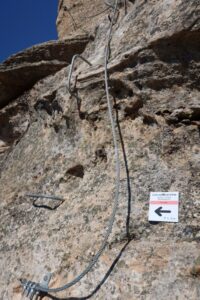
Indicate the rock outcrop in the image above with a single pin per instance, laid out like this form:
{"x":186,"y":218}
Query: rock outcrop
{"x":21,"y":71}
{"x":51,"y":144}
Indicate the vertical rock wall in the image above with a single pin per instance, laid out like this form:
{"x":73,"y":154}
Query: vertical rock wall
{"x":52,"y":146}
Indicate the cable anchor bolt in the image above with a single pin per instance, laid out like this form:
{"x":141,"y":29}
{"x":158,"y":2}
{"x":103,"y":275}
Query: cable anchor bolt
{"x":32,"y":289}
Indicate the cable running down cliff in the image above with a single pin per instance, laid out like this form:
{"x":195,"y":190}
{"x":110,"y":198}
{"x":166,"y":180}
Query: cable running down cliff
{"x":32,"y":288}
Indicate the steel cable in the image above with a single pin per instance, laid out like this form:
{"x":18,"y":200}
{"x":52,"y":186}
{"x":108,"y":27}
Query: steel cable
{"x":38,"y":287}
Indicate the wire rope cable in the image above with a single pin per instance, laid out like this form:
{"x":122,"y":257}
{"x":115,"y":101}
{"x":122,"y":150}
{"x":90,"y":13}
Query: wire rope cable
{"x":40,"y":288}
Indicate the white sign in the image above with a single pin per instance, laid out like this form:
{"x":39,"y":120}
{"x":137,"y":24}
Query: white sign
{"x":163,"y":207}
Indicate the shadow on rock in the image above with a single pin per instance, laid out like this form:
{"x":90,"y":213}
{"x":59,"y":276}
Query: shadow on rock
{"x":101,"y":282}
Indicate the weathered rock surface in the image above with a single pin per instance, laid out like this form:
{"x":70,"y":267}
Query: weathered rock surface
{"x":56,"y":148}
{"x":77,"y":16}
{"x":21,"y":71}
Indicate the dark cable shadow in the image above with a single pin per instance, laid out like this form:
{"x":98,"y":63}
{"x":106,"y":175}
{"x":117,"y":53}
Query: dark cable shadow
{"x":129,"y":237}
{"x":47,"y":206}
{"x":101,"y":282}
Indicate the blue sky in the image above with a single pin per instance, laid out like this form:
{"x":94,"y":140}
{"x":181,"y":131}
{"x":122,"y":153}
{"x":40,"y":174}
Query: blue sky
{"x":24,"y":23}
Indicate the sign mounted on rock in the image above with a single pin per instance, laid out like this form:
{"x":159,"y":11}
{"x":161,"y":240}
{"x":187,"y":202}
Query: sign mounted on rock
{"x":163,"y":207}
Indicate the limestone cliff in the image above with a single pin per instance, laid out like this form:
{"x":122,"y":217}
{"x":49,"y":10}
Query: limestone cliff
{"x":51,"y":145}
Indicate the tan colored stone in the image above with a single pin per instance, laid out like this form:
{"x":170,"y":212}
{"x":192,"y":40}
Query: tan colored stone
{"x":195,"y":270}
{"x":67,"y":150}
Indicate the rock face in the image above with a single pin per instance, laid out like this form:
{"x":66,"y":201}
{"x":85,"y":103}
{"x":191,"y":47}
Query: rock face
{"x":77,"y":16}
{"x":51,"y":144}
{"x":21,"y":71}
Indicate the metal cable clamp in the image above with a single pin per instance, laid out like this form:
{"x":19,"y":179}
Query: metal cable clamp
{"x":31,"y":290}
